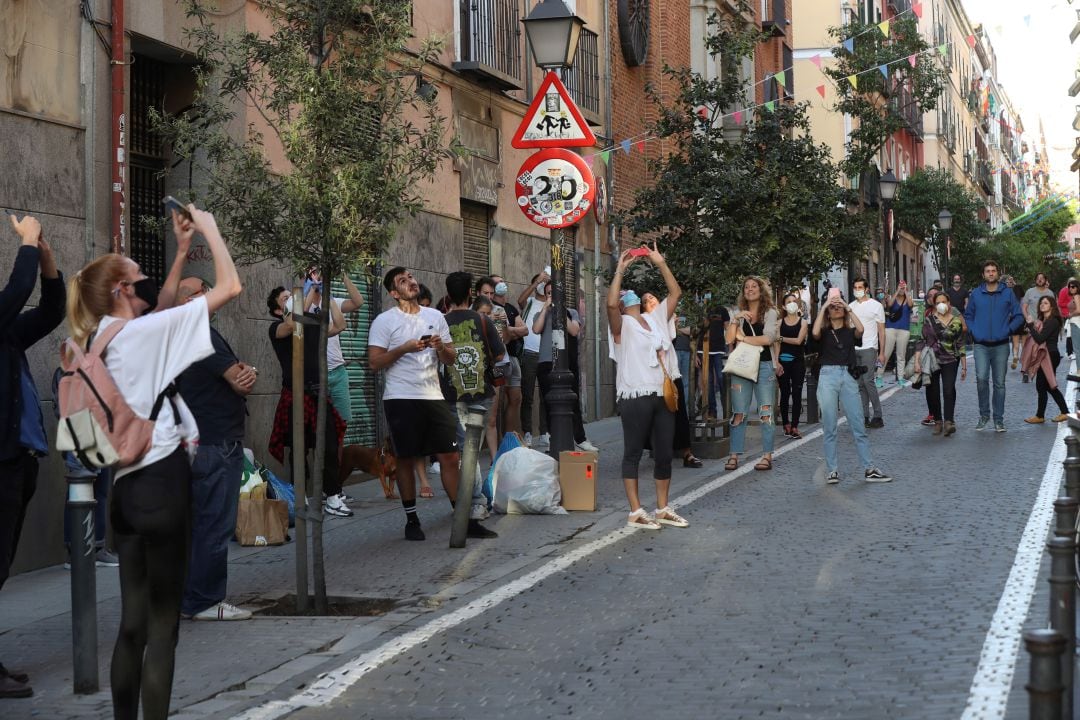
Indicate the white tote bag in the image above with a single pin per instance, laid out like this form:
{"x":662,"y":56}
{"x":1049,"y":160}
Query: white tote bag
{"x":745,"y":360}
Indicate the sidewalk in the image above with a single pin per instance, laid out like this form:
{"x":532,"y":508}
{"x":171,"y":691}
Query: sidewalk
{"x":219,"y":664}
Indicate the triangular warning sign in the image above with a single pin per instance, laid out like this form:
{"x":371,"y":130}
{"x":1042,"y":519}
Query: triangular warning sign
{"x":553,"y":120}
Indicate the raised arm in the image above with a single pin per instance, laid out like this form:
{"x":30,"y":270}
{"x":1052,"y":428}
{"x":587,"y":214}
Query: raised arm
{"x":226,"y":280}
{"x":355,"y":298}
{"x":337,"y":320}
{"x":527,"y":292}
{"x":167,"y":294}
{"x":674,"y":291}
{"x":614,"y":316}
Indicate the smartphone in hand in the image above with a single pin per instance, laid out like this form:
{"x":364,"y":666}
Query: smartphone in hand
{"x":640,"y":252}
{"x":834,"y":294}
{"x":425,"y":339}
{"x":172,"y":203}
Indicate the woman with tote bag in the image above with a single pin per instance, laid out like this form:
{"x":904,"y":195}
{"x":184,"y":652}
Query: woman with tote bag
{"x":755,"y":328}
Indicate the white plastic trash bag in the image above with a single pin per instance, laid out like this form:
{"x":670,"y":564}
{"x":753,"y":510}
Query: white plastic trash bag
{"x":527,"y":482}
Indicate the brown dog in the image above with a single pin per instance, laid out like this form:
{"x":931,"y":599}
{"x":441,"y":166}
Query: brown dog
{"x":379,"y":462}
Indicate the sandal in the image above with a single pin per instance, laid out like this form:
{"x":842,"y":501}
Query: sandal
{"x":732,"y":463}
{"x":764,"y":464}
{"x":641,"y":520}
{"x":427,"y":492}
{"x":690,"y":461}
{"x":667,"y":516}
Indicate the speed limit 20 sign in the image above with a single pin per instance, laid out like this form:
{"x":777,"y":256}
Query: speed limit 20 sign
{"x":555,"y":188}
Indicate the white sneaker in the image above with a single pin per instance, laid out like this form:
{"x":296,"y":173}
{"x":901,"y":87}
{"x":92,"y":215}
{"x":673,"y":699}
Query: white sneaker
{"x":544,"y":440}
{"x":335,"y":505}
{"x":436,"y":469}
{"x":528,"y":439}
{"x":223,"y":611}
{"x":479,"y":511}
{"x":587,"y":446}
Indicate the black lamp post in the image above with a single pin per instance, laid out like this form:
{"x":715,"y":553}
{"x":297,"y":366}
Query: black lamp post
{"x":944,"y":223}
{"x":887,"y":185}
{"x":553,"y":31}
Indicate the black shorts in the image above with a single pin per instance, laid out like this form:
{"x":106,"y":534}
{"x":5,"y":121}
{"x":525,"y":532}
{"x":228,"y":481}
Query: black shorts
{"x":419,"y":428}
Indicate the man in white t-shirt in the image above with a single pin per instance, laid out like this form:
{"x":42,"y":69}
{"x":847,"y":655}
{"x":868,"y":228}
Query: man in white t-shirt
{"x":872,"y":316}
{"x":337,"y":377}
{"x":531,"y":302}
{"x":408,"y":342}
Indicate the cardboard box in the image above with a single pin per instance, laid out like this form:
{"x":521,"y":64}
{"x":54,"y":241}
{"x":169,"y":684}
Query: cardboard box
{"x":577,"y":479}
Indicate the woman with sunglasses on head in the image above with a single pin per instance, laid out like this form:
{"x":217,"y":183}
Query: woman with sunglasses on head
{"x":755,"y":323}
{"x":639,"y":341}
{"x":791,"y":356}
{"x":943,"y":331}
{"x":1042,"y":357}
{"x":150,"y":505}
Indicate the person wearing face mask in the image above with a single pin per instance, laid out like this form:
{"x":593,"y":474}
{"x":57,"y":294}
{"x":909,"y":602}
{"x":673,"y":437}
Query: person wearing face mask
{"x":897,"y":332}
{"x":872,"y":316}
{"x":943,"y":332}
{"x":151,"y":507}
{"x":638,"y":345}
{"x":791,"y":353}
{"x":515,"y":332}
{"x":531,"y":302}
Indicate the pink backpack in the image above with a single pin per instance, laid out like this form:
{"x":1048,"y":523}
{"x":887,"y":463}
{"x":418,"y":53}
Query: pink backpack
{"x":96,"y":422}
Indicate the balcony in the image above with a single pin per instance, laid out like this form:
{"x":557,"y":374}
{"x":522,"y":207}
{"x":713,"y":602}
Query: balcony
{"x":491,"y":43}
{"x":900,"y":6}
{"x":1075,"y":87}
{"x":902,"y":102}
{"x":986,"y":178}
{"x":774,"y":17}
{"x":582,"y":79}
{"x":1076,"y":29}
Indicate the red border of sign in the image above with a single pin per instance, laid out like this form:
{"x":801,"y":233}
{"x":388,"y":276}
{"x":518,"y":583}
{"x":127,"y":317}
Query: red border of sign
{"x":560,"y":154}
{"x":550,"y":79}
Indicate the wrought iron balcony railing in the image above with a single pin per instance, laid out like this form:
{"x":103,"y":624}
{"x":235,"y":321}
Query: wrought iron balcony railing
{"x":491,"y":42}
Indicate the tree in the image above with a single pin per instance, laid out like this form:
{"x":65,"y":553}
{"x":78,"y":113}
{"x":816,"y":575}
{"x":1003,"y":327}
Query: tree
{"x":921,"y":197}
{"x":333,"y":85}
{"x":760,"y":200}
{"x":880,"y":105}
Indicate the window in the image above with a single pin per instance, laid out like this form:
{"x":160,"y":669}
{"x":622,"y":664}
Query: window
{"x":582,"y":79}
{"x":147,"y":162}
{"x":490,"y":37}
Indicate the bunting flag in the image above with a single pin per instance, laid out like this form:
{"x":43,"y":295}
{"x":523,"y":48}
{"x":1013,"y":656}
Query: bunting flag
{"x":971,"y":41}
{"x":604,"y":155}
{"x":816,"y":60}
{"x":641,"y":146}
{"x":703,"y":113}
{"x":917,"y":9}
{"x":912,"y":58}
{"x":884,"y":71}
{"x":884,"y":28}
{"x":821,"y":90}
{"x":770,"y":105}
{"x":854,"y":80}
{"x":779,"y":77}
{"x":625,"y":146}
{"x":943,"y":49}
{"x":738,"y":117}
{"x":849,"y":45}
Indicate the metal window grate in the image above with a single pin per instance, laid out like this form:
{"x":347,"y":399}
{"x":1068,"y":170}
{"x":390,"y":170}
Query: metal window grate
{"x":582,"y":79}
{"x":147,"y":162}
{"x":476,"y":243}
{"x":490,"y":35}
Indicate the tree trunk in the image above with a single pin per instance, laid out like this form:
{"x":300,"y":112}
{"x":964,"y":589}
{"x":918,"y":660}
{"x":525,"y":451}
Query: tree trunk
{"x":298,"y":455}
{"x":318,"y":465}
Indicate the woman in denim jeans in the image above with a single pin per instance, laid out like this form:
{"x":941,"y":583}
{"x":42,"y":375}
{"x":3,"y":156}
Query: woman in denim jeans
{"x":756,"y":323}
{"x":836,"y":328}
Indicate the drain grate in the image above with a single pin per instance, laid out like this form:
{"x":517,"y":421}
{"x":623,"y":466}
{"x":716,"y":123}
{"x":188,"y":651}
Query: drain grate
{"x":337,"y":606}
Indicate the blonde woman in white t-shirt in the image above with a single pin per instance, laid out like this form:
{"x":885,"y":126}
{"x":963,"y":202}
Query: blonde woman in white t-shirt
{"x":638,"y":345}
{"x":150,"y":506}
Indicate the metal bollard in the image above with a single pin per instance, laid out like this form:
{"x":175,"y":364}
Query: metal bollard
{"x":1063,"y":607}
{"x":1072,"y":446}
{"x":1072,"y":477}
{"x":813,"y":414}
{"x":1044,"y":684}
{"x":1065,"y":512}
{"x":474,"y":428}
{"x":80,"y":509}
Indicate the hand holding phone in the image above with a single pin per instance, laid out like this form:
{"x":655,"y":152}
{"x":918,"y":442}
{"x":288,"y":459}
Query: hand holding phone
{"x":834,"y":294}
{"x":172,"y":203}
{"x":640,"y":252}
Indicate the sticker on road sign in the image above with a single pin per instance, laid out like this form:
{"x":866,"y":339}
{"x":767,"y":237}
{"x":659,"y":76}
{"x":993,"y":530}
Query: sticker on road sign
{"x":553,"y":120}
{"x":555,"y":188}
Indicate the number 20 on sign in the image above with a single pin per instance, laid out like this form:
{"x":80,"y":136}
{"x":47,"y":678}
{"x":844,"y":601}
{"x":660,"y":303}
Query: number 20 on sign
{"x":555,"y":188}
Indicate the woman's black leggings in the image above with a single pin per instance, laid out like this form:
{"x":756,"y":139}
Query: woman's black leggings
{"x":151,"y":519}
{"x":791,"y":383}
{"x":942,"y":384}
{"x":681,"y":435}
{"x":646,"y":418}
{"x":1043,"y":388}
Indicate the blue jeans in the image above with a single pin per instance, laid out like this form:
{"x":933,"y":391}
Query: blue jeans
{"x":836,"y":388}
{"x":684,"y":364}
{"x":991,"y":360}
{"x":716,"y":380}
{"x":742,"y":392}
{"x":216,"y":474}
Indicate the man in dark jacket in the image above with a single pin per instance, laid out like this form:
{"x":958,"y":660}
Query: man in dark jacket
{"x":993,"y":314}
{"x":22,"y":426}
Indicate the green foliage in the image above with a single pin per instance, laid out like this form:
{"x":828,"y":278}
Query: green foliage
{"x":921,"y":197}
{"x":334,"y":85}
{"x":1025,"y":247}
{"x":732,"y":201}
{"x":876,"y":104}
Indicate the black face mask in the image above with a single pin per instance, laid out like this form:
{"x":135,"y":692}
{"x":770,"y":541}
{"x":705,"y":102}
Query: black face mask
{"x":147,"y":291}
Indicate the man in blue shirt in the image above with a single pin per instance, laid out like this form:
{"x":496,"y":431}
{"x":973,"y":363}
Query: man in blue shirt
{"x":22,"y":427}
{"x":993,"y":314}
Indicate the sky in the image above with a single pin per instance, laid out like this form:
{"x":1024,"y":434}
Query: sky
{"x":1037,"y":64}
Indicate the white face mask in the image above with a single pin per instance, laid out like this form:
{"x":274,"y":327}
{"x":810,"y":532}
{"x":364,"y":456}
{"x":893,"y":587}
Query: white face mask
{"x":942,"y":308}
{"x":792,"y":308}
{"x":860,"y":294}
{"x":540,"y":289}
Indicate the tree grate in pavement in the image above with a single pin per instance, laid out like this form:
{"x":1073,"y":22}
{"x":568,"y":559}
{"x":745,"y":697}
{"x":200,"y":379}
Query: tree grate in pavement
{"x":337,"y":606}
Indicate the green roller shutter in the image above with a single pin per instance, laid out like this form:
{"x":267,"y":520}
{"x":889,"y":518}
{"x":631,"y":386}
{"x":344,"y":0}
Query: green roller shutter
{"x":474,"y":228}
{"x":363,"y":428}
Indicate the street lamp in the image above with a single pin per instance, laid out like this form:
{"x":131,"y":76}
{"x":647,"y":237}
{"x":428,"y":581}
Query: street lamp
{"x":887,"y":185}
{"x":944,"y":223}
{"x":553,"y":32}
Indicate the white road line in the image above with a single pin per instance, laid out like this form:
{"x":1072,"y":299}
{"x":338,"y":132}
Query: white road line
{"x":990,"y":688}
{"x":331,"y":685}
